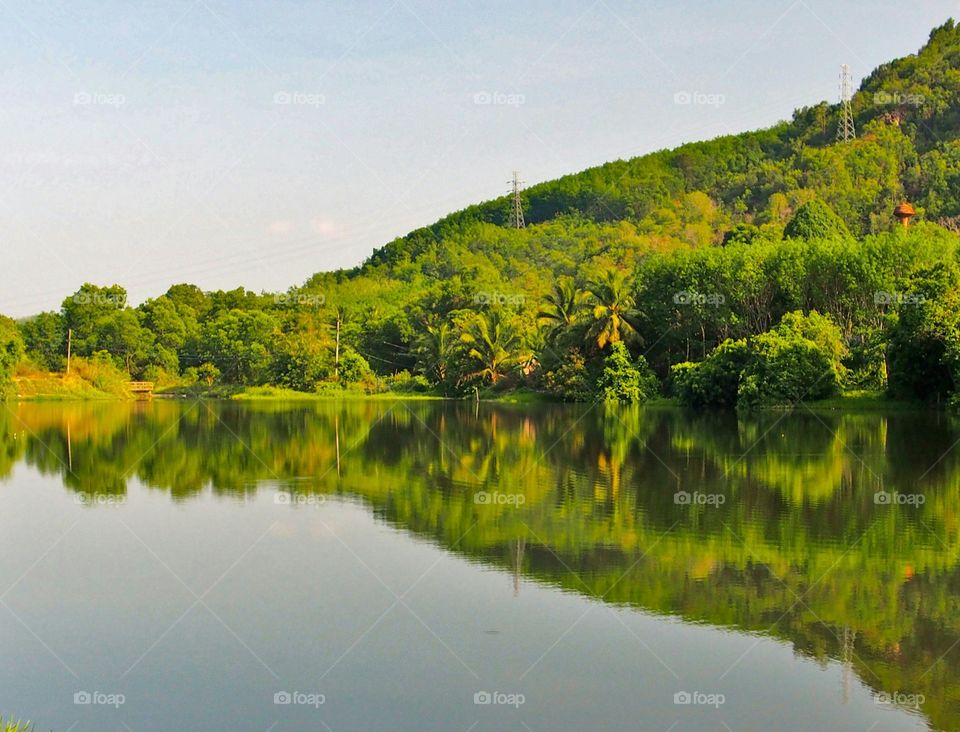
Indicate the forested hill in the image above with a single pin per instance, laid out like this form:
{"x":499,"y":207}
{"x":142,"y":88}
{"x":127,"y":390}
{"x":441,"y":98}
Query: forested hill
{"x":907,"y":115}
{"x":761,"y":268}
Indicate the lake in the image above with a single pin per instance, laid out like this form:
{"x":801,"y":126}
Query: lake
{"x":378,"y":565}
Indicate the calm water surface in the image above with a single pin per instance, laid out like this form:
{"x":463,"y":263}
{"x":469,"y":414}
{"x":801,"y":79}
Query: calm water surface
{"x":433,"y":566}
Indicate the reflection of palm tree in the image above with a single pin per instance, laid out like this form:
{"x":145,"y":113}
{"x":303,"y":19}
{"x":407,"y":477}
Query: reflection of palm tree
{"x":494,"y":345}
{"x":613,"y":310}
{"x":561,"y":307}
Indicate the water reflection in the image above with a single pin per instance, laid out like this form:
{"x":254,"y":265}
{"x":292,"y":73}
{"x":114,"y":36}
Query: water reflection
{"x":837,"y":533}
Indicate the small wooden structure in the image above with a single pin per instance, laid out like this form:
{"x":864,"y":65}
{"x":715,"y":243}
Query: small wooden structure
{"x":142,"y":389}
{"x":904,"y":212}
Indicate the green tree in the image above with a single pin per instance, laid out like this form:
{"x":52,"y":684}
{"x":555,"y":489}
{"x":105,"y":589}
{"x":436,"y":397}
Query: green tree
{"x":815,"y":220}
{"x":208,"y":373}
{"x":614,"y":317}
{"x":493,"y":345}
{"x":45,"y":338}
{"x":561,"y":307}
{"x":12,"y":351}
{"x":624,"y":379}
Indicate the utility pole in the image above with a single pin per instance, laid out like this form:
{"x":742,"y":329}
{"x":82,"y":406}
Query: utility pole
{"x":69,"y":345}
{"x":516,"y":216}
{"x":336,"y":361}
{"x":845,"y":130}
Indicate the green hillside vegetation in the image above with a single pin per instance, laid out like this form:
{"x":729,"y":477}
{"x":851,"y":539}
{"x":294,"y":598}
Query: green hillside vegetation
{"x":639,"y":267}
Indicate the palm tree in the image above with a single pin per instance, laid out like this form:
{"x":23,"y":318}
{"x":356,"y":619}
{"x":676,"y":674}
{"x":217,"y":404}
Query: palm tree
{"x":495,"y":345}
{"x":614,"y":316}
{"x":561,"y":307}
{"x":434,"y":348}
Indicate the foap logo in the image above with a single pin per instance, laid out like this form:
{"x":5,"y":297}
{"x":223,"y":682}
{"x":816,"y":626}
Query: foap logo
{"x":99,"y":699}
{"x":300,"y":298}
{"x":98,"y":99}
{"x":498,"y":99}
{"x":496,"y":498}
{"x":100,"y":298}
{"x":92,"y":499}
{"x":895,"y":498}
{"x":698,"y":698}
{"x":498,"y":298}
{"x":899,"y":699}
{"x":881,"y":297}
{"x":899,"y":99}
{"x":298,"y":499}
{"x":688,"y":297}
{"x":299,"y":99}
{"x":299,"y":698}
{"x":698,"y":99}
{"x":499,"y":698}
{"x":685,"y":498}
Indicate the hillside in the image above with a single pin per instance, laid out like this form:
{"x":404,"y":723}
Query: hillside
{"x":726,"y":252}
{"x":907,"y":113}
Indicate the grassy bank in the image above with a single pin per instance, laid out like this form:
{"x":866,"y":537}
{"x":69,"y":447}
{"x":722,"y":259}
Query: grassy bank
{"x":61,"y":387}
{"x":267,"y":393}
{"x":855,"y":401}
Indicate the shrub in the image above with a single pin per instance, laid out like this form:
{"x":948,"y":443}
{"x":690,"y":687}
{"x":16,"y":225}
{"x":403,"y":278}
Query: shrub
{"x":405,"y":382}
{"x":624,"y":380}
{"x":571,"y":380}
{"x":798,"y":359}
{"x":353,"y":366}
{"x":815,"y":220}
{"x":101,"y":371}
{"x":715,"y":381}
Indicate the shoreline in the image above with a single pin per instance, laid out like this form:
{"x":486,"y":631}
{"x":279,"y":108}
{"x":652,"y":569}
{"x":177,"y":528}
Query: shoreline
{"x":852,"y":402}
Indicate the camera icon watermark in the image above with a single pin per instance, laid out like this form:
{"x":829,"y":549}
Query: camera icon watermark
{"x":900,"y":99}
{"x":699,"y":99}
{"x":299,"y":99}
{"x":299,"y":698}
{"x":688,"y":297}
{"x":98,"y":99}
{"x":299,"y":499}
{"x":100,"y":298}
{"x":300,"y":298}
{"x":899,"y":699}
{"x":698,"y":698}
{"x":498,"y":298}
{"x":685,"y":498}
{"x":99,"y":699}
{"x":895,"y":498}
{"x":881,"y":297}
{"x":93,"y":499}
{"x":496,"y":498}
{"x":499,"y":698}
{"x":498,"y":99}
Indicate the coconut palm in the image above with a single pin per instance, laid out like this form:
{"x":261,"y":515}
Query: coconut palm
{"x":614,"y":316}
{"x":494,"y":343}
{"x":562,"y":307}
{"x":434,"y":349}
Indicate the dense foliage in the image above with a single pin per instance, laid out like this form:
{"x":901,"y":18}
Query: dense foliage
{"x":669,"y":256}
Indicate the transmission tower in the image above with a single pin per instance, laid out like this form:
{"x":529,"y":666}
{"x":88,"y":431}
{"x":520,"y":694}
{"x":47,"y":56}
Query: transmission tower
{"x":846,"y":130}
{"x":516,"y":216}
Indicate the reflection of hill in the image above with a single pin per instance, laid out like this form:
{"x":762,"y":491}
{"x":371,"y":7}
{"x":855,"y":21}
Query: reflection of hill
{"x":799,"y":549}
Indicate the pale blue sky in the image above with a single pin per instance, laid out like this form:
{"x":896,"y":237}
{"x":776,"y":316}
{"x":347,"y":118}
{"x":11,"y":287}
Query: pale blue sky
{"x":148,"y":143}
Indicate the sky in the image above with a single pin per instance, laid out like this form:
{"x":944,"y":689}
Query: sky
{"x":231,"y":143}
